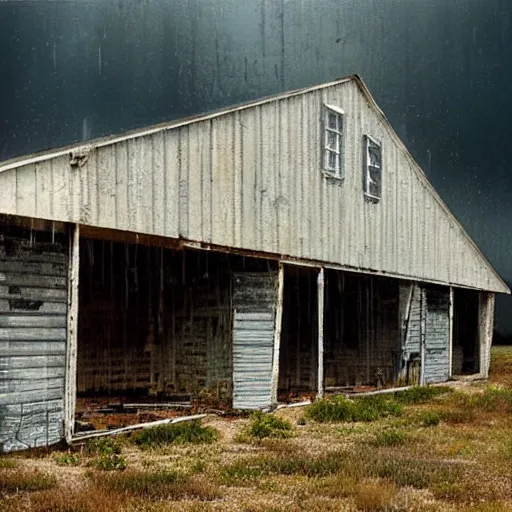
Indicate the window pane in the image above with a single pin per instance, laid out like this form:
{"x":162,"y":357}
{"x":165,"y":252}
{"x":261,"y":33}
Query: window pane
{"x":332,"y":142}
{"x":375,"y":154}
{"x":374,"y":176}
{"x":332,"y":120}
{"x":340,"y":123}
{"x":332,"y":160}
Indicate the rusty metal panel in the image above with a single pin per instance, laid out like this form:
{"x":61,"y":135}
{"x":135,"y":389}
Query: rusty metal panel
{"x":33,"y":294}
{"x":251,"y":178}
{"x":254,"y":300}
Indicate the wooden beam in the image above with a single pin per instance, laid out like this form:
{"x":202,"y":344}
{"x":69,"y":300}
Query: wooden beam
{"x":277,"y":335}
{"x":423,"y":327}
{"x":450,"y":354}
{"x":138,"y":426}
{"x":485,"y":330}
{"x":72,"y":327}
{"x":320,"y":300}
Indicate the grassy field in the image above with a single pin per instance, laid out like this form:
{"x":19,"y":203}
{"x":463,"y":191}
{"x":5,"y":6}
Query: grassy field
{"x":424,"y":450}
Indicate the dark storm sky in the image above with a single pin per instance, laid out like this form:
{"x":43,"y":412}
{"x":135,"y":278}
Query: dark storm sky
{"x":440,"y":69}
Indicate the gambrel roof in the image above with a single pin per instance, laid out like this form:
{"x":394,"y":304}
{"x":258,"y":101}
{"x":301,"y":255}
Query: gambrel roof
{"x":250,"y":178}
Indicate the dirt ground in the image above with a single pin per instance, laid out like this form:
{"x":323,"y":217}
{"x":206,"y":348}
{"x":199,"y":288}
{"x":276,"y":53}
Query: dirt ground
{"x":451,"y":452}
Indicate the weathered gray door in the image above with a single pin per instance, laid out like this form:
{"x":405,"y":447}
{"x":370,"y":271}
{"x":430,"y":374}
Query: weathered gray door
{"x":437,"y":336}
{"x":33,"y":309}
{"x":254,"y":302}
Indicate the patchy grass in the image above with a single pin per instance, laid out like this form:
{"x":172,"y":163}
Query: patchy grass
{"x":375,"y":496}
{"x":111,"y":462}
{"x":391,"y":437}
{"x":420,"y":394}
{"x":373,"y":454}
{"x":264,"y":426}
{"x":341,"y":409}
{"x":157,"y":485}
{"x":190,"y":432}
{"x":16,"y":480}
{"x":7,"y":463}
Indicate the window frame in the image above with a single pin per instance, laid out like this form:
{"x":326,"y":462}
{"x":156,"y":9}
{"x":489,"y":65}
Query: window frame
{"x":366,"y":168}
{"x":338,"y":171}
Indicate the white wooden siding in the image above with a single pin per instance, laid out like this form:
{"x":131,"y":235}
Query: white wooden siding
{"x":33,"y":294}
{"x":251,"y":178}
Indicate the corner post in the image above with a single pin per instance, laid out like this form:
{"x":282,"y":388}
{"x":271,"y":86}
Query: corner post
{"x":321,"y":300}
{"x":72,"y":326}
{"x":450,"y":353}
{"x":277,"y":335}
{"x":423,"y":326}
{"x":485,"y":331}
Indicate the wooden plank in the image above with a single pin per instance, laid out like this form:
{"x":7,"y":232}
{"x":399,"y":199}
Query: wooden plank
{"x":32,"y":280}
{"x":8,"y":191}
{"x":277,"y":334}
{"x":14,"y":307}
{"x":321,"y":299}
{"x":21,"y":266}
{"x":32,"y":334}
{"x":172,"y":183}
{"x":23,"y":385}
{"x":36,"y":294}
{"x":31,"y":396}
{"x":29,"y":348}
{"x":40,"y":361}
{"x":129,"y":428}
{"x":26,"y":192}
{"x":72,"y":330}
{"x":34,"y":322}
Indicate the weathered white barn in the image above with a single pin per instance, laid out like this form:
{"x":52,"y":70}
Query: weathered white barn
{"x":282,"y":247}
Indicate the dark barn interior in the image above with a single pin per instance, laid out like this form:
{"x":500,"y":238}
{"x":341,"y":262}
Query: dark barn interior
{"x":155,"y":326}
{"x":362,"y":336}
{"x":298,"y":358}
{"x":466,"y":349}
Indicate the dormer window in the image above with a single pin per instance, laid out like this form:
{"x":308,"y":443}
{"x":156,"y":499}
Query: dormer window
{"x":372,"y":169}
{"x":333,"y":141}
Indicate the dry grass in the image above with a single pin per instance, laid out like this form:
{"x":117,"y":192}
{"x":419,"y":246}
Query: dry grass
{"x":375,"y":496}
{"x":425,"y":450}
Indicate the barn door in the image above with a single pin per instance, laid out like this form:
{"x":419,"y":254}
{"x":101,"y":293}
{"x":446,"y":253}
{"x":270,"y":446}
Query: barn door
{"x":254,"y":301}
{"x":33,"y":308}
{"x":437,"y":335}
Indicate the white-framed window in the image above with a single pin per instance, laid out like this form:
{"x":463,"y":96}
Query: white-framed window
{"x":372,"y":168}
{"x":333,"y":141}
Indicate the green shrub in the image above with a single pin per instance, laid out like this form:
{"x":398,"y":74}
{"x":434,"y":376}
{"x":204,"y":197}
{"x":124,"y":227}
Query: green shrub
{"x":103,"y":446}
{"x":268,"y":425}
{"x":339,"y":408}
{"x":67,"y":459}
{"x":430,"y":419}
{"x":190,"y":432}
{"x":392,"y":437}
{"x":109,"y":462}
{"x":420,"y":394}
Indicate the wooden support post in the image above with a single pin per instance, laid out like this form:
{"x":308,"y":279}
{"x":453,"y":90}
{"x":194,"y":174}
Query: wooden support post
{"x":485,"y":331}
{"x":72,"y":326}
{"x":321,"y":299}
{"x":423,"y":327}
{"x":277,"y":334}
{"x":450,"y":356}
